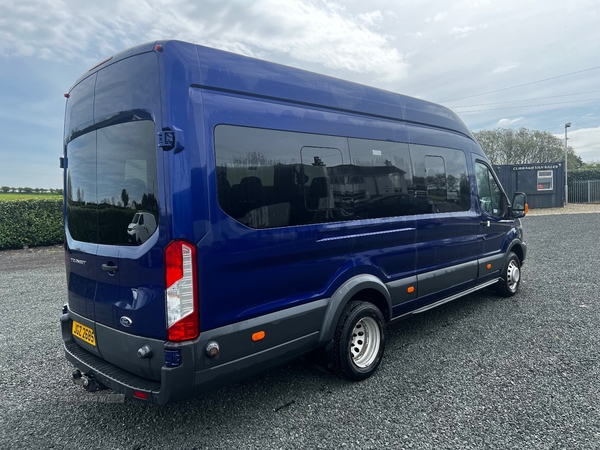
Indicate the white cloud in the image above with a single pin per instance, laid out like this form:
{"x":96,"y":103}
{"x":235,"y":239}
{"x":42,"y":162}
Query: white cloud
{"x":585,"y":142}
{"x":506,"y":122}
{"x":371,"y":18}
{"x":466,"y":31}
{"x":505,"y":67}
{"x":311,"y":31}
{"x":439,"y":16}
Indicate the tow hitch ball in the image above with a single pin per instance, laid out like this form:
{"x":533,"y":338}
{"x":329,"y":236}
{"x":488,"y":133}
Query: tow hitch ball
{"x":88,"y":382}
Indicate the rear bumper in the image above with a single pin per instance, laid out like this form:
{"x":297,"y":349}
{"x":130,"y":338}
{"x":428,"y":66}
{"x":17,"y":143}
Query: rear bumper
{"x":176,"y":383}
{"x":289,"y":334}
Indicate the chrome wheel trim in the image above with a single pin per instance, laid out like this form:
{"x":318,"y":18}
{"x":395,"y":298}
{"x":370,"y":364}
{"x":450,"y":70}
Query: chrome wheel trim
{"x":366,"y":341}
{"x":513,"y":275}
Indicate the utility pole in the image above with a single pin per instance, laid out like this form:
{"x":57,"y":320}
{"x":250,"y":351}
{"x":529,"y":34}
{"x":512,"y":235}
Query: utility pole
{"x":567,"y":125}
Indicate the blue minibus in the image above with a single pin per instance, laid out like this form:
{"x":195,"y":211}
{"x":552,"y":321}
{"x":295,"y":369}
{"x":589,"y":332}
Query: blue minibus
{"x":224,"y":215}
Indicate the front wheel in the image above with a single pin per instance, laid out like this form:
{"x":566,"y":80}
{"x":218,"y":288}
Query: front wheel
{"x":509,"y":285}
{"x":359,"y":341}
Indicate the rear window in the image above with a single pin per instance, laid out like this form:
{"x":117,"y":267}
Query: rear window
{"x":112,"y":185}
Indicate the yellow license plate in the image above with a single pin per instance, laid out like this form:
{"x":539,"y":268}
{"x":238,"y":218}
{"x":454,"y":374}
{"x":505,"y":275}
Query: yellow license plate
{"x":84,"y":333}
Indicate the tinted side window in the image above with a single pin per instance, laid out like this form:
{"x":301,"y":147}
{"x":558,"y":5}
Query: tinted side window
{"x":441,"y":179}
{"x":435,"y":177}
{"x":270,"y":178}
{"x":319,"y":173}
{"x":381,"y":179}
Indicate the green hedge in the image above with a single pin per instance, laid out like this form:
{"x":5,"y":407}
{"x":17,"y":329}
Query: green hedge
{"x":584,"y":174}
{"x":30,"y":223}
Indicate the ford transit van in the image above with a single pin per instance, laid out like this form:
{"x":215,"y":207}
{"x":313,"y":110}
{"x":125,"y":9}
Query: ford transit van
{"x":225,"y":214}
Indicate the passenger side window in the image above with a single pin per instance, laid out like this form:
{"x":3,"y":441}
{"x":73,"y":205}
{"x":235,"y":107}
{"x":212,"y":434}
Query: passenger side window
{"x":320,"y":173}
{"x":381,"y":179}
{"x":271,"y":178}
{"x":490,"y":195}
{"x":441,"y":180}
{"x":435,"y":172}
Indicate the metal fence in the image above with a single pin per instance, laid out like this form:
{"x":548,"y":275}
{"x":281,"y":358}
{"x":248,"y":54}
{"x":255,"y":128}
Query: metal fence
{"x":584,"y":191}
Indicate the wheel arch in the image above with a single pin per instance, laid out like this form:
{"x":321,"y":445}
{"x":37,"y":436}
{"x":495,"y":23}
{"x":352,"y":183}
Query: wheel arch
{"x":517,"y":249}
{"x":361,"y":287}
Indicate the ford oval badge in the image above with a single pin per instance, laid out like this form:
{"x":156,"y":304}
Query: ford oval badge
{"x":126,"y":321}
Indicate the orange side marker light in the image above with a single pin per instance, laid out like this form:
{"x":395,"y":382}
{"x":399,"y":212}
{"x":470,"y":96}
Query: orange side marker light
{"x":410,"y":289}
{"x":258,"y":336}
{"x":526,"y":208}
{"x":489,"y":266}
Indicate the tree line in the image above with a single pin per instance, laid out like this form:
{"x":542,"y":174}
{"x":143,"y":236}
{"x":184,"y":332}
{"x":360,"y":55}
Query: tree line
{"x":28,"y":190}
{"x":523,"y":146}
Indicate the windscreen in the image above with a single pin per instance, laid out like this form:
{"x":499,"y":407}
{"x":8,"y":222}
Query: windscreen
{"x":111,"y":177}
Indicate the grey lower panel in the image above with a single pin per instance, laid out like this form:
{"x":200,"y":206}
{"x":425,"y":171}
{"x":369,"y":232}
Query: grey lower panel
{"x":287,"y":334}
{"x":235,"y":341}
{"x":212,"y":378}
{"x":438,"y":280}
{"x":399,"y":290}
{"x":491,"y":265}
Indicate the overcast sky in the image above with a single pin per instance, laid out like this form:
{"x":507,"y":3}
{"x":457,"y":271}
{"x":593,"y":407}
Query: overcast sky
{"x":446,"y":52}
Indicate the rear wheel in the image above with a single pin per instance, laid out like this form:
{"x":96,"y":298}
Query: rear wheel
{"x":359,"y":341}
{"x":509,"y":285}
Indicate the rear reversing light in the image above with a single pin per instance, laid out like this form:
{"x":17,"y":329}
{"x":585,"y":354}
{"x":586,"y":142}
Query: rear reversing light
{"x":181,"y":291}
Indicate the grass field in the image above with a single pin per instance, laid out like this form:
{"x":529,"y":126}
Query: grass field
{"x":21,"y":196}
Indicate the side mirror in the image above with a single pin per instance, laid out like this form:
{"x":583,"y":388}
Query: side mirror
{"x":519,"y":205}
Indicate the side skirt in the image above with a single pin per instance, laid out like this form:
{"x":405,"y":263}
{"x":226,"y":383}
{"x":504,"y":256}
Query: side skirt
{"x":447,"y":299}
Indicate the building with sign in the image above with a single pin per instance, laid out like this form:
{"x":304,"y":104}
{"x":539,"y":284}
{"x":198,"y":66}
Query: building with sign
{"x":544,"y":183}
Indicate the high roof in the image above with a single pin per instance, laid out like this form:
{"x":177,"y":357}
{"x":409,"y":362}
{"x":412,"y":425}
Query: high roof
{"x":216,"y":69}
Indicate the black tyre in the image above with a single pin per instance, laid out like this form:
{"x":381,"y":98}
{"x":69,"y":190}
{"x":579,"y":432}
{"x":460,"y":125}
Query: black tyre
{"x":509,"y":285}
{"x":359,"y":341}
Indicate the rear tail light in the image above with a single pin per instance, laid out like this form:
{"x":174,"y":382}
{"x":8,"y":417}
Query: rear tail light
{"x":181,"y":294}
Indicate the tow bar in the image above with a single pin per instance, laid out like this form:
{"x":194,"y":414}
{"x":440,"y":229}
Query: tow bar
{"x":88,"y":381}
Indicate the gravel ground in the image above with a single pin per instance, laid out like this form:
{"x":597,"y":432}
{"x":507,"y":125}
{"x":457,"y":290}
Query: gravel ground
{"x":480,"y":372}
{"x":571,"y":208}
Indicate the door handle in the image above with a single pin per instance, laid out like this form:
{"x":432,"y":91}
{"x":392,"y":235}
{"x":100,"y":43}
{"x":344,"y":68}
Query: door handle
{"x":111,"y":268}
{"x":485,"y":223}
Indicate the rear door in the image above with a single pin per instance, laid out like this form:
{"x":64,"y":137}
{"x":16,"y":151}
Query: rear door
{"x":128,"y":296}
{"x":81,"y":225}
{"x":115,"y":273}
